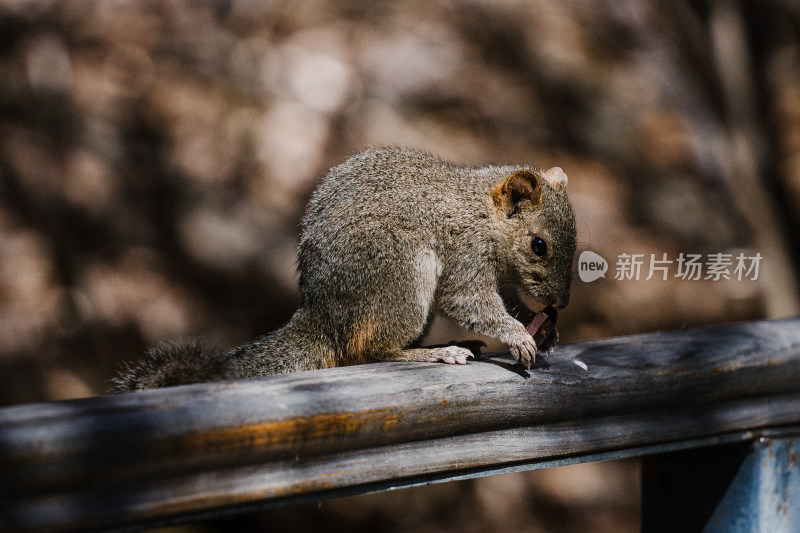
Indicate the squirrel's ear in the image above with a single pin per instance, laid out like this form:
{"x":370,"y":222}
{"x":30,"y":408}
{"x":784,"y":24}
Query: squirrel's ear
{"x":556,"y":178}
{"x":519,"y":190}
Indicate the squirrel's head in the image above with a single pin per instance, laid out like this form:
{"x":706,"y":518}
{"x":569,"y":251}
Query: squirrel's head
{"x":538,"y":227}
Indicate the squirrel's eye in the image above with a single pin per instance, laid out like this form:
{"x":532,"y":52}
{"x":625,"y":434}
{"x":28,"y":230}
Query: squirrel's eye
{"x":538,"y":246}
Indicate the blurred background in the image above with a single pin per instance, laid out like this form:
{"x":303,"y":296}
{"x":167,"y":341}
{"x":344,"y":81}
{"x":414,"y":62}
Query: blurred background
{"x":156,"y":156}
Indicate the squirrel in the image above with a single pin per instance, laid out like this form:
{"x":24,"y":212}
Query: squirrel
{"x":389,"y":237}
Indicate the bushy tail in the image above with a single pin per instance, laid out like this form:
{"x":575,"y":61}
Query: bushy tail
{"x":174,"y":363}
{"x":292,"y":348}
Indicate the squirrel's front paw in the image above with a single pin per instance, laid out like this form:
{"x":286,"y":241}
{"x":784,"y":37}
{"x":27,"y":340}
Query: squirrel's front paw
{"x":525,"y":351}
{"x":550,"y":344}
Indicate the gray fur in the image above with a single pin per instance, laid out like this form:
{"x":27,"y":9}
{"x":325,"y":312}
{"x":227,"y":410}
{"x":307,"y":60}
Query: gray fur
{"x":391,"y":236}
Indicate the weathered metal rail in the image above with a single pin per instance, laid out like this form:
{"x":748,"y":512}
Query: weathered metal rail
{"x":174,"y":454}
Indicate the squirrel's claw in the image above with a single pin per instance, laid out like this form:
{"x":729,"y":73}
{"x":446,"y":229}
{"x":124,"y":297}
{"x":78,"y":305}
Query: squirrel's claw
{"x":550,"y":344}
{"x":525,"y":352}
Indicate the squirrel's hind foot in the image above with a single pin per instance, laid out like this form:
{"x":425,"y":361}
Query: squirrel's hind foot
{"x":451,"y":354}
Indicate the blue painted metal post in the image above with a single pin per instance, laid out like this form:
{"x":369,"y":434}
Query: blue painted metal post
{"x":739,"y":487}
{"x":682,"y":488}
{"x":765,"y":493}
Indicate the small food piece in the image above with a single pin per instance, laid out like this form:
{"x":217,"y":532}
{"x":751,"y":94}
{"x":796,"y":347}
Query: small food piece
{"x":543,"y":325}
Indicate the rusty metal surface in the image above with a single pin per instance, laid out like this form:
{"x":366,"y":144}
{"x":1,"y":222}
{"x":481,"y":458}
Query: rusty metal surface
{"x":765,"y":493}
